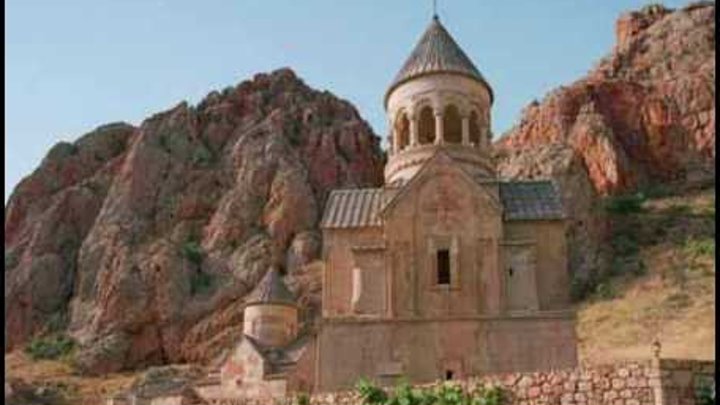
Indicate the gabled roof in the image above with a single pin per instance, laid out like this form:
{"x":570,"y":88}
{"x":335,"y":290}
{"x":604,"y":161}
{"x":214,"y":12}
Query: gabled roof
{"x":353,"y":208}
{"x":439,"y":157}
{"x":437,"y":52}
{"x":518,"y":199}
{"x":531,"y":200}
{"x":271,"y":290}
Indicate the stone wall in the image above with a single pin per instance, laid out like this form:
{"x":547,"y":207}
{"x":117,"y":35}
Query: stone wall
{"x":651,"y":382}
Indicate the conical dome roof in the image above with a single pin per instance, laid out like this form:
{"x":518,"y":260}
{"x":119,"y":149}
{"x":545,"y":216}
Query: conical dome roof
{"x":271,"y":290}
{"x":436,"y":52}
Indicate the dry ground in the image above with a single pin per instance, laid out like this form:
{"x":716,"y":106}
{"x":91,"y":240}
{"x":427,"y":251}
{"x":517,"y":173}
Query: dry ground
{"x":673,"y":298}
{"x":59,"y":376}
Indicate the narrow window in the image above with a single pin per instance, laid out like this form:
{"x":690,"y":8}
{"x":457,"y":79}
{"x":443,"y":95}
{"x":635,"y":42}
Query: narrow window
{"x":443,"y":266}
{"x":510,"y":271}
{"x":426,"y":126}
{"x":452,"y":124}
{"x":448,"y":375}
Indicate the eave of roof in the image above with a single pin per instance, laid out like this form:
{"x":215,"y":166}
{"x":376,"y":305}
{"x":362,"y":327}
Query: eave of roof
{"x":437,"y":52}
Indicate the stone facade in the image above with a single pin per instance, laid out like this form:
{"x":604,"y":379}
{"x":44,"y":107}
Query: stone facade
{"x":445,"y":272}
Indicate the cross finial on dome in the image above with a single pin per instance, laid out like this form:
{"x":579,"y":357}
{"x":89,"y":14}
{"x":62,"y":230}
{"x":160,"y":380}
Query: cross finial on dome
{"x":435,"y":14}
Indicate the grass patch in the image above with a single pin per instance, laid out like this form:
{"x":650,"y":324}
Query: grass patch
{"x":677,"y":210}
{"x":677,"y":301}
{"x":700,"y":247}
{"x":50,"y":348}
{"x":708,"y":212}
{"x":605,"y":291}
{"x":625,"y":204}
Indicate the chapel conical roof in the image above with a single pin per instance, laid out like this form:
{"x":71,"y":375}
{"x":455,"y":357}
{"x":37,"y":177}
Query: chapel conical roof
{"x":436,"y":52}
{"x":271,"y":290}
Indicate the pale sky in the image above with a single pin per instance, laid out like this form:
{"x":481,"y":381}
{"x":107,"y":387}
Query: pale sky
{"x":73,"y":65}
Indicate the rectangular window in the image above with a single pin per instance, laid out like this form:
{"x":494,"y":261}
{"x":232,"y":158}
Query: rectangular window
{"x":443,"y":267}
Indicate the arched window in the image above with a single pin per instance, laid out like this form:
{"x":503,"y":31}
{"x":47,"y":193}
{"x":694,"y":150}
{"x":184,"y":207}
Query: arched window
{"x":452,"y":125}
{"x":402,"y":131}
{"x":426,"y":126}
{"x":474,"y":129}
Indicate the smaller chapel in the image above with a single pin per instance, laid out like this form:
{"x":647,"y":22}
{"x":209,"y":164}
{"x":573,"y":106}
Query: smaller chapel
{"x":444,"y":272}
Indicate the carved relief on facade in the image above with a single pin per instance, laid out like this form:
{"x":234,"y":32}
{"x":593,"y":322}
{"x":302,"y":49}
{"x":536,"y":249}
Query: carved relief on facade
{"x":442,"y":203}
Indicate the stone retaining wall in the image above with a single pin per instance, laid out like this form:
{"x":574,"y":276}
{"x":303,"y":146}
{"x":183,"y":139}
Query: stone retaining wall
{"x":652,"y":382}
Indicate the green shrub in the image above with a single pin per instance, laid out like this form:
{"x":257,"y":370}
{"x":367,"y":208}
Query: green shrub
{"x":657,"y":191}
{"x":50,"y":348}
{"x":303,"y":399}
{"x":445,"y":394}
{"x":201,"y":156}
{"x":625,"y":204}
{"x":488,"y":396}
{"x":450,"y":394}
{"x":11,"y":259}
{"x":605,"y":291}
{"x":640,"y":268}
{"x":581,"y":288}
{"x":193,"y":251}
{"x":705,"y":393}
{"x":370,"y":393}
{"x":700,"y":247}
{"x":624,"y":244}
{"x":200,"y":283}
{"x":405,"y":395}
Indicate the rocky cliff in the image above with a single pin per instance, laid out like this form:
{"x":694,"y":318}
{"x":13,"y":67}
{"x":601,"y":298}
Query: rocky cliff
{"x":142,"y":242}
{"x":644,"y":115}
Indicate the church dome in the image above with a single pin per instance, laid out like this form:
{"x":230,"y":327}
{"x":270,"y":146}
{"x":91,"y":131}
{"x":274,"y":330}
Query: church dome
{"x":271,"y":290}
{"x":436,"y":52}
{"x":271,"y":315}
{"x":438,"y":100}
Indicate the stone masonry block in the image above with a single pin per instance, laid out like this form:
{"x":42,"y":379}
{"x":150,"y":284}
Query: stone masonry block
{"x":618,"y":383}
{"x":584,"y":386}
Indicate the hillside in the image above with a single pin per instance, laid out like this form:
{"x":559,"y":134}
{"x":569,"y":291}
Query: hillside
{"x":661,"y":283}
{"x":642,"y":120}
{"x":141,"y":243}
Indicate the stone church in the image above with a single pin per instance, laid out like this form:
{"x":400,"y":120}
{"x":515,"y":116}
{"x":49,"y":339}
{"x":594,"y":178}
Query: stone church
{"x":444,"y":272}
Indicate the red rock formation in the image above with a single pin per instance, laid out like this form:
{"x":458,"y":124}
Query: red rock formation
{"x":148,"y":238}
{"x":646,"y":113}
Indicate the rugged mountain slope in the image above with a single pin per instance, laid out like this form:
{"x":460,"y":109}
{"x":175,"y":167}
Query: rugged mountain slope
{"x":646,"y":112}
{"x":142,"y":242}
{"x":644,"y":115}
